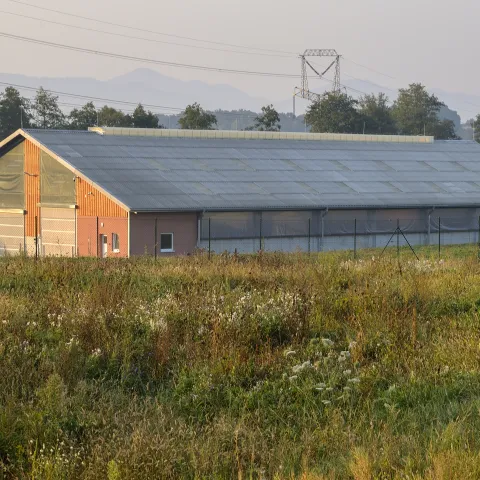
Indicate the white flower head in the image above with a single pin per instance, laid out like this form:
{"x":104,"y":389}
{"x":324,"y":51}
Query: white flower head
{"x":326,"y":342}
{"x":297,"y":368}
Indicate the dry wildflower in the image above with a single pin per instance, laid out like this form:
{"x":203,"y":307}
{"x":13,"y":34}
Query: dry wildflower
{"x":297,"y":368}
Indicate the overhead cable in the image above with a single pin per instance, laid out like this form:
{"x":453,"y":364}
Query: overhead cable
{"x":130,"y":27}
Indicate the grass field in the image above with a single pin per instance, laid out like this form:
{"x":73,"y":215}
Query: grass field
{"x":268,"y":366}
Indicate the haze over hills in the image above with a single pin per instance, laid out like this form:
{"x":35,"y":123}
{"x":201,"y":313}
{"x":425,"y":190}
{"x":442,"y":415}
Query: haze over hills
{"x":150,"y":87}
{"x":145,"y":86}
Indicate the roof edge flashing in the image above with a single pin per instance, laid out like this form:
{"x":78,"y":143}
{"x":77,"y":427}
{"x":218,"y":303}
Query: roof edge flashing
{"x":253,"y":135}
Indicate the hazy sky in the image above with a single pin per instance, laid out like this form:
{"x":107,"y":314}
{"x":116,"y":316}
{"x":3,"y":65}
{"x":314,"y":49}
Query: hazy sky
{"x":430,"y":41}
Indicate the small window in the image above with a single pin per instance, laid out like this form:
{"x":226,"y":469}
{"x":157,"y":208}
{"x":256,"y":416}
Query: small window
{"x":166,"y":242}
{"x":115,"y":242}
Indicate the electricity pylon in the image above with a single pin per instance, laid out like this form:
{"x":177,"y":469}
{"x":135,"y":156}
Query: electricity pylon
{"x":303,"y":91}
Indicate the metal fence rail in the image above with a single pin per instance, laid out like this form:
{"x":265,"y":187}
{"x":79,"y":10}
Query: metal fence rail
{"x":319,"y":231}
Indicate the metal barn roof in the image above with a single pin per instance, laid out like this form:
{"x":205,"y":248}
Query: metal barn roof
{"x":168,"y":172}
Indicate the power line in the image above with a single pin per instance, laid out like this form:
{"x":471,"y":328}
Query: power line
{"x":91,"y":19}
{"x":145,"y":60}
{"x":367,"y":68}
{"x":88,"y":97}
{"x":285,"y":53}
{"x":121,"y":102}
{"x":164,"y":42}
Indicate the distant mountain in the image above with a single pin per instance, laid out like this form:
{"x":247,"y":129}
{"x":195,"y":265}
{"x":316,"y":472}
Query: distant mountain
{"x":150,"y":87}
{"x":146,"y":86}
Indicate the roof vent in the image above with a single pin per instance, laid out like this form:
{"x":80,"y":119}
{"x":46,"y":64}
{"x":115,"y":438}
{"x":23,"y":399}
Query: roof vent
{"x":251,"y":135}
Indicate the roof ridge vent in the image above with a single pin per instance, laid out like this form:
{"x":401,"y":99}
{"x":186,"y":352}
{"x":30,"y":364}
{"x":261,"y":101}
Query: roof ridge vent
{"x":252,"y":135}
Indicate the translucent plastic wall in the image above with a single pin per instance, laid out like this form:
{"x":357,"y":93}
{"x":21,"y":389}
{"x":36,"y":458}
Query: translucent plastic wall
{"x":57,"y":183}
{"x":12,"y":179}
{"x":337,"y":229}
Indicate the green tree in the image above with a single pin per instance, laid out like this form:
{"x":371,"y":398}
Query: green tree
{"x":334,"y":113}
{"x":475,"y":123}
{"x":416,"y":113}
{"x":268,"y":120}
{"x":13,"y":108}
{"x":111,"y":117}
{"x":443,"y":130}
{"x":81,"y":119}
{"x":196,"y":118}
{"x":143,"y":119}
{"x":47,"y":113}
{"x":377,"y":114}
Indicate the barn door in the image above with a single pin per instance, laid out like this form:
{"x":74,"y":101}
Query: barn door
{"x":58,"y":232}
{"x":12,"y":233}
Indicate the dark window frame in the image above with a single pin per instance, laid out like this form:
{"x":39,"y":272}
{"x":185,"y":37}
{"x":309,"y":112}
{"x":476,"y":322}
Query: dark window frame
{"x":163,"y":249}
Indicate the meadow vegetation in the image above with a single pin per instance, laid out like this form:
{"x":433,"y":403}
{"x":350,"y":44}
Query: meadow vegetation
{"x":267,"y":366}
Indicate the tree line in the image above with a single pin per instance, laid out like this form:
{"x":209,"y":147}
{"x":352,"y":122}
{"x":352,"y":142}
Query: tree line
{"x":414,"y":112}
{"x":44,"y":112}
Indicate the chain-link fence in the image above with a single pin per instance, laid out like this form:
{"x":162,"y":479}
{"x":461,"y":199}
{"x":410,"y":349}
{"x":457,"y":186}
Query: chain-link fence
{"x":328,"y":230}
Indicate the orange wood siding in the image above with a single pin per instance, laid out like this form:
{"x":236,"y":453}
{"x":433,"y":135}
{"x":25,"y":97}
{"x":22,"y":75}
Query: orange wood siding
{"x":97,"y":204}
{"x":32,"y":186}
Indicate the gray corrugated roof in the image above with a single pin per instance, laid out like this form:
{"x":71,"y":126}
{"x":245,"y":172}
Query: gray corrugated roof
{"x":150,"y":173}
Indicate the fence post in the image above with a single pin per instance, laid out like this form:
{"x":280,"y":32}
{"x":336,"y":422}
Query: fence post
{"x":439,"y":238}
{"x":478,"y":237}
{"x":36,"y":237}
{"x":323,"y":233}
{"x":261,"y":221}
{"x":309,"y":234}
{"x":25,"y":251}
{"x":398,"y":238}
{"x":355,"y":240}
{"x":98,"y":239}
{"x":428,"y":228}
{"x":156,"y":237}
{"x":209,"y":237}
